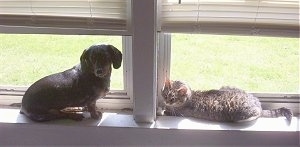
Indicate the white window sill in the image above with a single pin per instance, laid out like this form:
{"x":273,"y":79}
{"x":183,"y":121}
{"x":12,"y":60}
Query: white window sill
{"x":266,"y":131}
{"x":125,"y":119}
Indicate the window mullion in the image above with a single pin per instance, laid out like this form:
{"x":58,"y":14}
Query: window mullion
{"x":144,"y":60}
{"x":164,"y":60}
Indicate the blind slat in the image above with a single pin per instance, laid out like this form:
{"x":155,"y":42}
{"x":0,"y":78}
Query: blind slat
{"x":259,"y":17}
{"x":83,"y":14}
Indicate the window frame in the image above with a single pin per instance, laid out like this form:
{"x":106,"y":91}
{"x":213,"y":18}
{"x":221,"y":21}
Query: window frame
{"x":142,"y":133}
{"x":115,"y":99}
{"x":143,"y":99}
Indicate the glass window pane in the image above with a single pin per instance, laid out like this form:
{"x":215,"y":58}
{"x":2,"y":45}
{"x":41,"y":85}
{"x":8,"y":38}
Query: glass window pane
{"x":25,"y":58}
{"x":255,"y":64}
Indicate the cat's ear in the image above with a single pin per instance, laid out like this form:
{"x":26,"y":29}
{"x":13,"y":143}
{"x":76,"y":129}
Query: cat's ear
{"x":167,"y":83}
{"x":182,"y":90}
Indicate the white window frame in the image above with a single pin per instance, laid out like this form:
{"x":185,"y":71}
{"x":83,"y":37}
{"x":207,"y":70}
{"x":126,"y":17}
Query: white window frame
{"x":121,"y":99}
{"x":144,"y":60}
{"x":144,"y":93}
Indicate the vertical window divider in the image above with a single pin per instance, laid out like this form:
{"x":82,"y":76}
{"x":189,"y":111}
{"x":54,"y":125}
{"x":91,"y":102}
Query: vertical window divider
{"x":144,"y":60}
{"x":127,"y":64}
{"x":164,"y":60}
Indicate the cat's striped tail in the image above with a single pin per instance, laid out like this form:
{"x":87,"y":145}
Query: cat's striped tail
{"x":279,"y":112}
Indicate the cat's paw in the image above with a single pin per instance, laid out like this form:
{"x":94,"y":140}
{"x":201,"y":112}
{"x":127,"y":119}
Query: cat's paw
{"x":287,"y":113}
{"x":160,"y":111}
{"x":168,"y":113}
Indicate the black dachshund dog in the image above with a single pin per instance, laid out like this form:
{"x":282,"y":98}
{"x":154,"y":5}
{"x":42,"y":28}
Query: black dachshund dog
{"x":79,"y":87}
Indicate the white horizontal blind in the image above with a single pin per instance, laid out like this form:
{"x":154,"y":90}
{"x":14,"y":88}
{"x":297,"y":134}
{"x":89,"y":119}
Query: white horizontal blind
{"x":84,"y":14}
{"x":258,"y":17}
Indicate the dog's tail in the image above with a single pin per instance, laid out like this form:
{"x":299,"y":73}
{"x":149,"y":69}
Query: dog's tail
{"x":38,"y":117}
{"x":287,"y":113}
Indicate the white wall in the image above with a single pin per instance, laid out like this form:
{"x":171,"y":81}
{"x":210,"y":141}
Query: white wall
{"x":26,"y":134}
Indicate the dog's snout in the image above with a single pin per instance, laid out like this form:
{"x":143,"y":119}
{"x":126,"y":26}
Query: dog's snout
{"x":99,"y":71}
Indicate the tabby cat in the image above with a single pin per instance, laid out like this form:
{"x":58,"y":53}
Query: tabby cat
{"x":226,"y":104}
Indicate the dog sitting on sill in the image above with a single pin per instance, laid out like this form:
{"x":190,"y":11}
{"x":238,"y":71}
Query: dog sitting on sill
{"x":80,"y":86}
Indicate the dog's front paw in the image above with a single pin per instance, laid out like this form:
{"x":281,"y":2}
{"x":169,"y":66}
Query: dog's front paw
{"x":77,"y":117}
{"x":96,"y":115}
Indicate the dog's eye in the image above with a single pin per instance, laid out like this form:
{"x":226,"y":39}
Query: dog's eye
{"x":93,"y":58}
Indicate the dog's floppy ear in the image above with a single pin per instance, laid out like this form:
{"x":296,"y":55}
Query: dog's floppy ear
{"x":83,"y":61}
{"x":116,"y":56}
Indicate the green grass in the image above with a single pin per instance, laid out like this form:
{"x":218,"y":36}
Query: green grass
{"x":27,"y":58}
{"x":257,"y":64}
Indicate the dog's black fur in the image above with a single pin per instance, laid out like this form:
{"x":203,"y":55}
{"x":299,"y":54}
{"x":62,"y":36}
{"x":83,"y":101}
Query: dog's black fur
{"x":79,"y":86}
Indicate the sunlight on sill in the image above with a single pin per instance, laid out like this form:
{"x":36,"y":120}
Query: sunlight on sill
{"x":125,"y":119}
{"x":261,"y":124}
